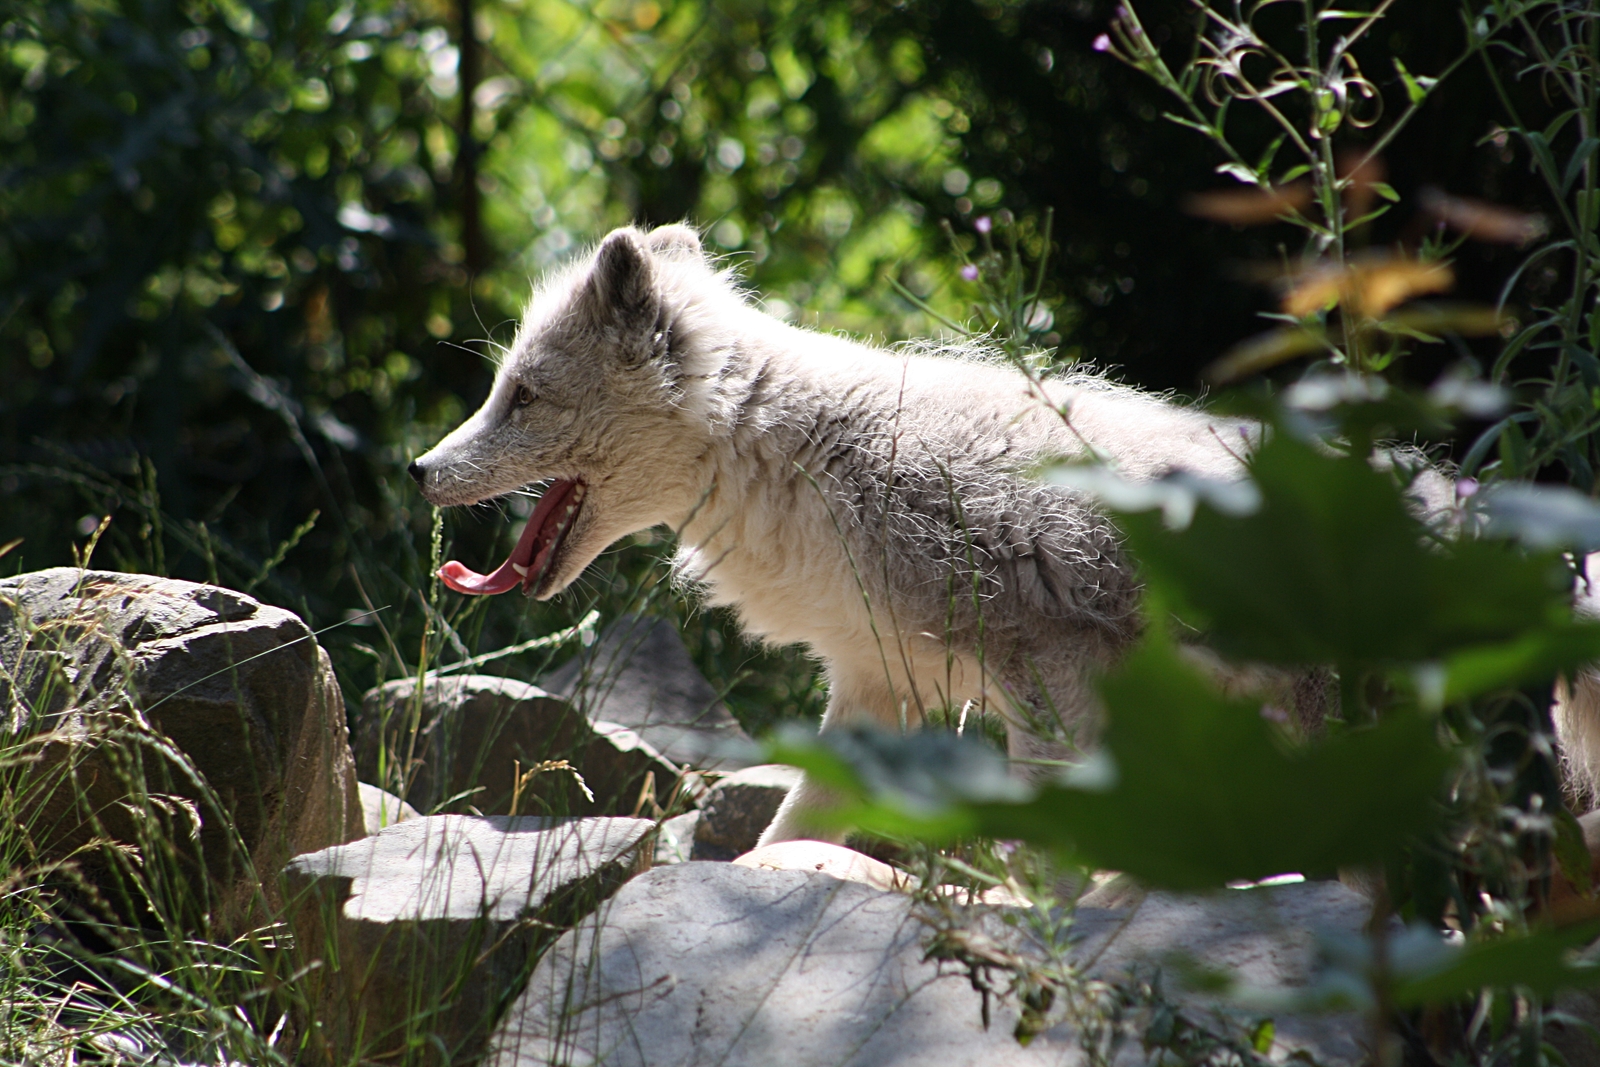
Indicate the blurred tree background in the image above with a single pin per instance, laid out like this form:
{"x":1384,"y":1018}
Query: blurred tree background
{"x":254,"y":256}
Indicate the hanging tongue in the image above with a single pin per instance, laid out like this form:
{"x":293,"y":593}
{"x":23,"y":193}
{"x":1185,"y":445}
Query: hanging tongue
{"x":525,"y":566}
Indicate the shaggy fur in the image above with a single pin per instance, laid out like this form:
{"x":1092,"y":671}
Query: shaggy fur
{"x":1577,"y":706}
{"x":875,"y":506}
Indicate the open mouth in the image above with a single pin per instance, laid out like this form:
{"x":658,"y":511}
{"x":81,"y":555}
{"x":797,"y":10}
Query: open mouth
{"x":547,"y":527}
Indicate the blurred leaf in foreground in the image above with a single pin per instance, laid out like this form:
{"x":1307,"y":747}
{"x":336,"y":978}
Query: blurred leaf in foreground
{"x":1332,"y":568}
{"x":1193,"y":791}
{"x":1541,"y":963}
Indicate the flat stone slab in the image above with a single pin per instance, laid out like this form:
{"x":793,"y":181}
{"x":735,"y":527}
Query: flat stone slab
{"x":425,"y":929}
{"x":719,"y":963}
{"x":639,"y":674}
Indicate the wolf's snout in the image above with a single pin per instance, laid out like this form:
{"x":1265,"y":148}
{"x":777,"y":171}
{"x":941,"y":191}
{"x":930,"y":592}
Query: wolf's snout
{"x":417,"y":473}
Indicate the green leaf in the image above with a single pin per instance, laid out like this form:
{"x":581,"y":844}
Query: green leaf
{"x":1571,"y":851}
{"x":1206,"y":793}
{"x":1385,"y":190}
{"x":1334,"y":569}
{"x":1190,"y":791}
{"x":1417,"y":87}
{"x":1529,"y":657}
{"x":1538,"y":962}
{"x":1265,"y":165}
{"x":1580,"y":156}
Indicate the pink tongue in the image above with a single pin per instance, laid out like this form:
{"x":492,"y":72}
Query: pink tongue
{"x":463,"y":579}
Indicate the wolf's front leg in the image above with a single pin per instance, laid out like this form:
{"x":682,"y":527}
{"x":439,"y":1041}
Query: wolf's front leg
{"x":850,"y":700}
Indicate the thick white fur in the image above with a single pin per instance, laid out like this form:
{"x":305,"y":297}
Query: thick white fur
{"x":1577,"y":707}
{"x":876,"y":506}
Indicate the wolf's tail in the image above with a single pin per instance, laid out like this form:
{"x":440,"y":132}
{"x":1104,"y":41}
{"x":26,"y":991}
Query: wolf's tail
{"x":1577,"y":705}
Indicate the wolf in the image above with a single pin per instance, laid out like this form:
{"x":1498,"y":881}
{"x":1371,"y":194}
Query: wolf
{"x":879,"y":507}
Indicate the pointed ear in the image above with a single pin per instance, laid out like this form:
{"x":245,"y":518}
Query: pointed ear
{"x":677,"y":239}
{"x":620,"y":295}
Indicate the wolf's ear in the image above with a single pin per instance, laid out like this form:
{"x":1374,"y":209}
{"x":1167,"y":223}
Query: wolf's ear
{"x":675,"y":240}
{"x":620,"y":295}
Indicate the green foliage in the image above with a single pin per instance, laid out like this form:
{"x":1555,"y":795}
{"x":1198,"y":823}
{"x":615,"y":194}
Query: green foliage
{"x":242,"y":244}
{"x":1334,"y":569}
{"x":1541,"y":963}
{"x":1195,"y":790}
{"x":1211,"y":795}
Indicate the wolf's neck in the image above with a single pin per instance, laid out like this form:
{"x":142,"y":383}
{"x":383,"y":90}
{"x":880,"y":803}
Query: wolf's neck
{"x":763,"y":536}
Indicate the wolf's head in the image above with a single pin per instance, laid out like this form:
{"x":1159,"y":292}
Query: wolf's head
{"x":592,"y":398}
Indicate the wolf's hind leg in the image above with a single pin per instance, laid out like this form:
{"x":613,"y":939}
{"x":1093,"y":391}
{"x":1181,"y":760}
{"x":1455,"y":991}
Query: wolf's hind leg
{"x":1052,"y":716}
{"x":849,"y":701}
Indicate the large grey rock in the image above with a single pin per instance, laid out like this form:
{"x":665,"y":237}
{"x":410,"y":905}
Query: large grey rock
{"x":126,"y":685}
{"x":718,"y":963}
{"x":735,"y":810}
{"x":465,"y":738}
{"x":639,"y":674}
{"x":416,"y":937}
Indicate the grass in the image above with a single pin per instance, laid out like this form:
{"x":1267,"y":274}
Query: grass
{"x":118,"y":940}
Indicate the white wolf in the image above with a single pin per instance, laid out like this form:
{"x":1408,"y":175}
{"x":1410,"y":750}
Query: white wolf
{"x":873,"y":505}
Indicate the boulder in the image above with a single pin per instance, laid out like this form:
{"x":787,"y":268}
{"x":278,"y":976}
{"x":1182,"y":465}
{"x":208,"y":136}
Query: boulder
{"x":722,"y":963}
{"x":458,"y":748}
{"x":153,"y":705}
{"x":735,"y":810}
{"x":639,"y":674}
{"x":380,"y":809}
{"x":414,"y":938}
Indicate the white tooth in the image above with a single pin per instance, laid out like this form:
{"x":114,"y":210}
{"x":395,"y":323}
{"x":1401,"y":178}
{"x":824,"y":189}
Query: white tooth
{"x":520,"y":569}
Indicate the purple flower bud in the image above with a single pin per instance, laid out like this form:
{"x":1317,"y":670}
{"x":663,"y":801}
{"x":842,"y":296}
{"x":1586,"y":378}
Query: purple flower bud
{"x":969,"y":272}
{"x":1466,"y":487}
{"x":982,"y":224}
{"x":1102,"y":43}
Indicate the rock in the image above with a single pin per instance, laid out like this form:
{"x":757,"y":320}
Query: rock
{"x":675,"y":839}
{"x":720,"y":963}
{"x":835,"y":861}
{"x":424,"y":928}
{"x":639,"y":674}
{"x":380,"y":809}
{"x":472,"y":732}
{"x":1576,"y":1040}
{"x":128,"y":683}
{"x":738,"y":808}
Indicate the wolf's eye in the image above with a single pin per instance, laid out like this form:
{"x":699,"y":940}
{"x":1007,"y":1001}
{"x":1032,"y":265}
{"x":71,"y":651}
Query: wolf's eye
{"x":522,"y":397}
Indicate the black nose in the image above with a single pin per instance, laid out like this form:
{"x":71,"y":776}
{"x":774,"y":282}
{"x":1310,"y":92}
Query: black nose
{"x":417,"y":472}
